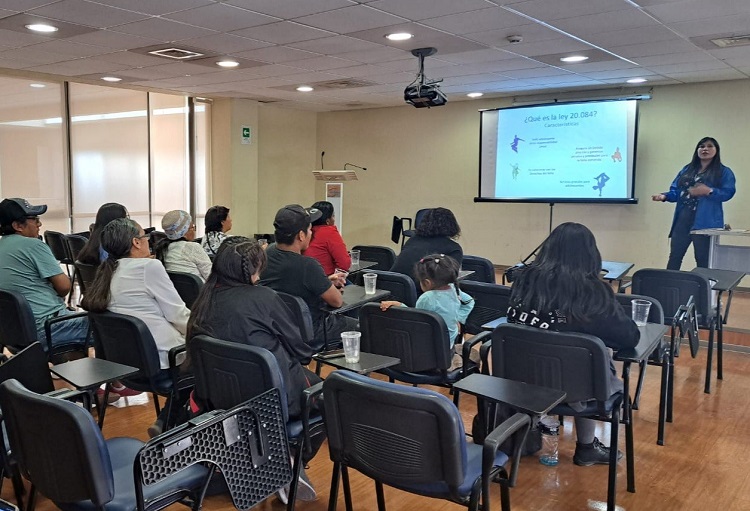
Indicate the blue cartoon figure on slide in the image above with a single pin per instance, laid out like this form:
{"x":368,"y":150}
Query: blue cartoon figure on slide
{"x":514,"y":144}
{"x":514,"y":169}
{"x":601,"y":180}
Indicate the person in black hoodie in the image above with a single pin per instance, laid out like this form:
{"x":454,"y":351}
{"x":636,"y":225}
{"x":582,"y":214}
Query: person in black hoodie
{"x":561,"y":290}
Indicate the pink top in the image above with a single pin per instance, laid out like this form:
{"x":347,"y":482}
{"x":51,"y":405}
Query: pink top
{"x":328,"y":247}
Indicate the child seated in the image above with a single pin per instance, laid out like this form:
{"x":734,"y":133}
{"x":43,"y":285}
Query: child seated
{"x":438,"y":277}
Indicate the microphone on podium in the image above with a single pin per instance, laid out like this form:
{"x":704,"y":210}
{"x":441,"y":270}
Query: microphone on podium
{"x":355,"y":166}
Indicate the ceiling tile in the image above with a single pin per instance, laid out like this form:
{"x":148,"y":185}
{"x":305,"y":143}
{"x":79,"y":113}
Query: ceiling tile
{"x":531,"y":33}
{"x":635,"y":51}
{"x":553,"y":46}
{"x":225,"y":43}
{"x":605,"y":22}
{"x":381,"y":54}
{"x":87,"y":13}
{"x":131,"y":59}
{"x":334,"y":45}
{"x":220,"y":17}
{"x":155,"y":7}
{"x":23,"y":5}
{"x":33,"y":55}
{"x":79,"y":67}
{"x":423,"y":37}
{"x":277,"y":54}
{"x":423,"y":9}
{"x":350,"y":19}
{"x":688,"y":67}
{"x":322,"y":63}
{"x":288,"y":9}
{"x":70,"y":49}
{"x":676,"y":58}
{"x":114,"y":40}
{"x":545,"y":10}
{"x":271,"y":70}
{"x":162,"y":29}
{"x":697,"y":10}
{"x":477,"y":21}
{"x":739,"y":24}
{"x":708,"y":76}
{"x":283,"y":32}
{"x":640,"y":35}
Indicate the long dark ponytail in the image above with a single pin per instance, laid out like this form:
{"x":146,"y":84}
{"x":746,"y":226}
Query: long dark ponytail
{"x":117,"y":239}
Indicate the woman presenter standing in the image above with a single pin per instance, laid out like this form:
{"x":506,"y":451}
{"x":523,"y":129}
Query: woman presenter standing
{"x":699,"y":190}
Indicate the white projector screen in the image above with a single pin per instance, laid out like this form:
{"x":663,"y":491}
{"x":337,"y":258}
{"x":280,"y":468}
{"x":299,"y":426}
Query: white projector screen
{"x":560,"y":152}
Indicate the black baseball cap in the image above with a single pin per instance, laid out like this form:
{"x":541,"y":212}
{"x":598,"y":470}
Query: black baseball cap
{"x":12,"y":210}
{"x":294,"y":218}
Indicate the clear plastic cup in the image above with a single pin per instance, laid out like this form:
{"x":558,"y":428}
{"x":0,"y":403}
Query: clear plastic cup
{"x":640,"y":311}
{"x":371,"y":280}
{"x":354,"y":254}
{"x":350,"y":341}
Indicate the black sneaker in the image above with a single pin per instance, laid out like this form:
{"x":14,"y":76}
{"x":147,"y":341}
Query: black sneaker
{"x":595,"y":453}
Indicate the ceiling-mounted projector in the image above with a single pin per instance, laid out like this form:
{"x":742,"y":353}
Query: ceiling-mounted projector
{"x":423,"y":92}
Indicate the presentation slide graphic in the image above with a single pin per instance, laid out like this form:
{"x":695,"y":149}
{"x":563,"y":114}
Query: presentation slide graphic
{"x":565,"y":151}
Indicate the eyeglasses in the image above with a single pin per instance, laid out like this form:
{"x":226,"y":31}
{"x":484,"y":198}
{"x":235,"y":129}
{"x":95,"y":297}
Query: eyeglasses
{"x":33,"y":218}
{"x":146,"y":236}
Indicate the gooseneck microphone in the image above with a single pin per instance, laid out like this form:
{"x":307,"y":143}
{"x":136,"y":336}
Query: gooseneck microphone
{"x":355,"y":166}
{"x":323,"y":153}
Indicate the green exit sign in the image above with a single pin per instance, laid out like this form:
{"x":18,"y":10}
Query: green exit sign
{"x":246,"y":135}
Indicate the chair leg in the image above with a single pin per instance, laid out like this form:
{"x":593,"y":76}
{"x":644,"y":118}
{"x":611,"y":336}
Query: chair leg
{"x":296,"y":470}
{"x":504,"y":495}
{"x":639,"y":386}
{"x":102,"y":406}
{"x":156,"y":403}
{"x":709,"y":360}
{"x":380,"y":495}
{"x":32,"y":499}
{"x":663,"y":398}
{"x":719,"y":350}
{"x":629,"y":454}
{"x":612,"y":480}
{"x":670,"y":386}
{"x":334,"y":495}
{"x":18,"y":488}
{"x":347,"y":488}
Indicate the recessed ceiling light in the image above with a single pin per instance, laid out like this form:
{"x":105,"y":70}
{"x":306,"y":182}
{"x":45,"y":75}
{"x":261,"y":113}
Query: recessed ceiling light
{"x":37,"y":85}
{"x":637,"y":80}
{"x":574,"y":58}
{"x":475,"y":94}
{"x":41,"y":27}
{"x":227,"y":63}
{"x":399,"y":36}
{"x":111,"y":79}
{"x":305,"y":88}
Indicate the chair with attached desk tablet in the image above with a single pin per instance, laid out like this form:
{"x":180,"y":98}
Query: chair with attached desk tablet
{"x":673,"y":289}
{"x":577,"y":364}
{"x":484,"y":270}
{"x":413,"y":439}
{"x":383,"y":256}
{"x":399,"y":285}
{"x":490,"y":302}
{"x":419,"y":339}
{"x":188,"y":286}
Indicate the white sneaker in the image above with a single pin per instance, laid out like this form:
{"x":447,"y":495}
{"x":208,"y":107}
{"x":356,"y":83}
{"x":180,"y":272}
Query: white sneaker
{"x":283,"y":495}
{"x":305,"y":489}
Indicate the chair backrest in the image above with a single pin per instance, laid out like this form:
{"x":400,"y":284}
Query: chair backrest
{"x":419,"y":338}
{"x":484,"y":270}
{"x":74,"y":244}
{"x":302,"y":317}
{"x":575,"y":363}
{"x":29,"y":366}
{"x":399,"y":285}
{"x":126,"y":340}
{"x":655,"y":312}
{"x":673,"y":288}
{"x":229,"y":373}
{"x":420,"y":216}
{"x":155,"y":237}
{"x":395,"y":434}
{"x":17,"y":327}
{"x":56,"y":242}
{"x":188,"y":285}
{"x":58,"y":446}
{"x":384,"y":256}
{"x":490,"y":302}
{"x":86,"y":274}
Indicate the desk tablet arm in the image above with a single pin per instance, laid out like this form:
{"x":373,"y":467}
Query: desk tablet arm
{"x":84,"y":396}
{"x":310,"y":394}
{"x":516,"y":427}
{"x":182,"y":379}
{"x":482,"y":337}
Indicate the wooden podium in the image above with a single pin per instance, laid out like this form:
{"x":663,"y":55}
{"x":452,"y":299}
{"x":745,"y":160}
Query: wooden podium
{"x":334,"y":180}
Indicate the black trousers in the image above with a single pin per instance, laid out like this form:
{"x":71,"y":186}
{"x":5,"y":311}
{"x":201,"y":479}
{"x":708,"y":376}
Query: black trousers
{"x":681,"y":239}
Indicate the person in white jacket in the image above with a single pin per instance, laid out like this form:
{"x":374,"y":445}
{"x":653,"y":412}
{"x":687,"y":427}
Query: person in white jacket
{"x":179,"y":252}
{"x":131,"y":282}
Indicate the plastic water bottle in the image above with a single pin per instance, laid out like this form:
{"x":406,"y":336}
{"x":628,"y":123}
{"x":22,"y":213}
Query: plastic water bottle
{"x":550,"y":428}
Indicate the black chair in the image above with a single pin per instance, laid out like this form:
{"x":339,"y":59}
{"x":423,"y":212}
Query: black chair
{"x":127,"y":340}
{"x":413,"y":439}
{"x":68,"y":461}
{"x":399,"y":285}
{"x":59,"y":247}
{"x":154,"y":237}
{"x":85,"y":274}
{"x":188,"y":285}
{"x":73,"y":245}
{"x":408,"y":233}
{"x":384,"y":256}
{"x":484,"y":270}
{"x":419,"y":338}
{"x":301,"y":314}
{"x":673,"y":290}
{"x":229,"y":373}
{"x":18,"y":330}
{"x":490,"y":302}
{"x":578,"y":364}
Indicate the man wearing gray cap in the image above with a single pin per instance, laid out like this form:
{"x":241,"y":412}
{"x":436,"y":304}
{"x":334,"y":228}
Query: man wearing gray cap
{"x":28,"y":267}
{"x":290,"y":272}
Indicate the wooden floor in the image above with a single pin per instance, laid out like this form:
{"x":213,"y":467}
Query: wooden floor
{"x":702,"y":465}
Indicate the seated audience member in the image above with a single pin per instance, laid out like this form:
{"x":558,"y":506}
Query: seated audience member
{"x":92,"y":252}
{"x":178,"y":252}
{"x":28,"y":267}
{"x":561,"y":290}
{"x":130,"y":282}
{"x":438,"y":278}
{"x":435,"y":234}
{"x":327,"y":245}
{"x":218,"y":223}
{"x":291,"y":272}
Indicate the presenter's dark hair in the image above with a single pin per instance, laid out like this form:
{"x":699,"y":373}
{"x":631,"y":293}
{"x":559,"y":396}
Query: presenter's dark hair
{"x":117,"y":239}
{"x":89,"y":254}
{"x":565,"y":276}
{"x":214,"y":216}
{"x":326,"y":208}
{"x":236,"y":261}
{"x":714,"y":169}
{"x":438,"y":223}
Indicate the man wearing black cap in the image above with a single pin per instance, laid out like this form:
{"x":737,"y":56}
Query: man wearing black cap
{"x":291,"y":272}
{"x":28,"y":267}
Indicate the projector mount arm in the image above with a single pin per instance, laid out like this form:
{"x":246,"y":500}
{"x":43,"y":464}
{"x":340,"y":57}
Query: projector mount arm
{"x":421,"y":53}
